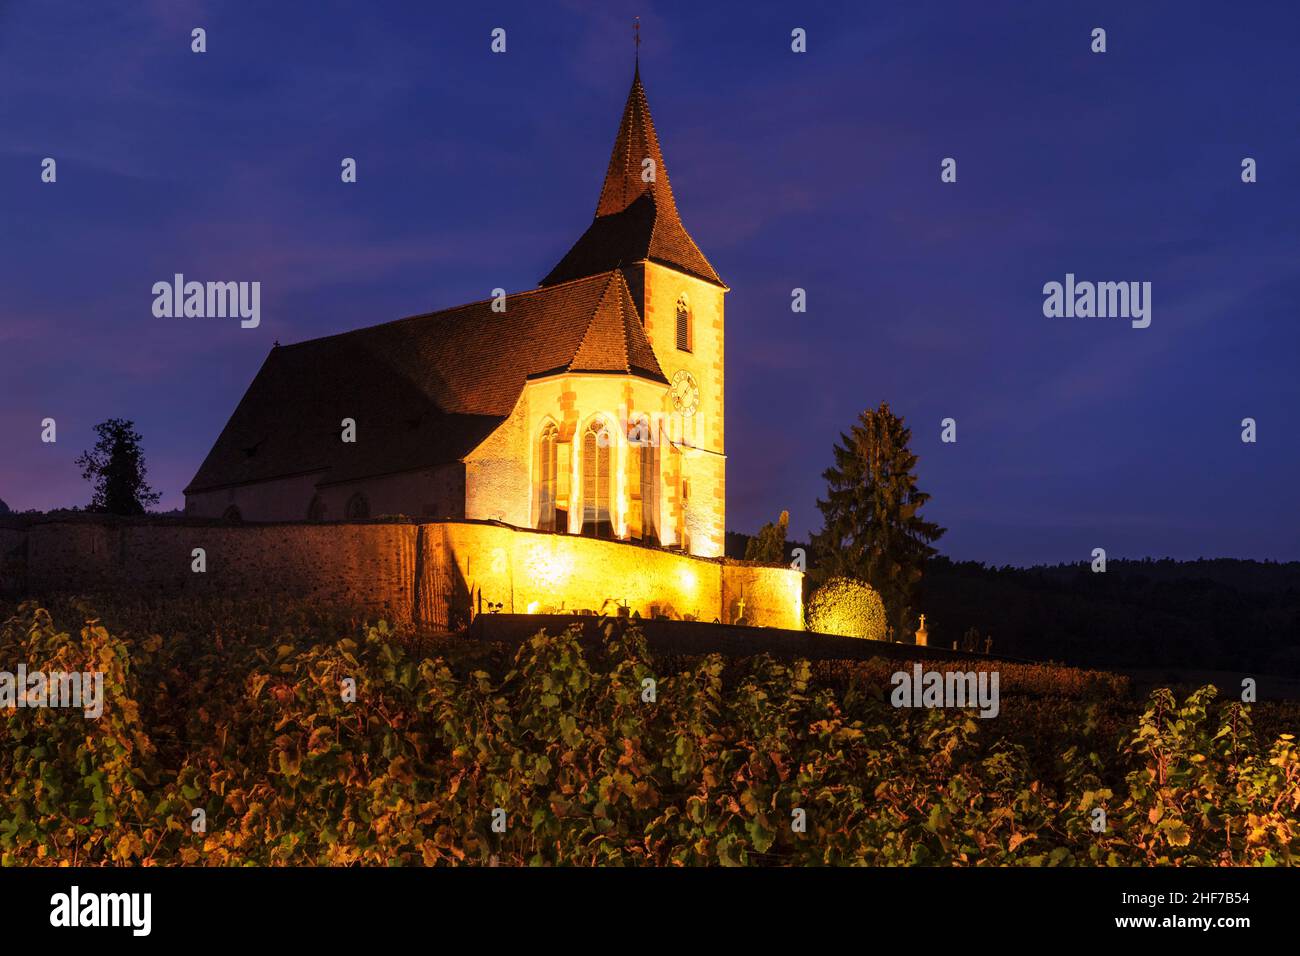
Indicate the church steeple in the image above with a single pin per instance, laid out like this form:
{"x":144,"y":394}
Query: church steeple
{"x":636,"y":158}
{"x":636,"y":216}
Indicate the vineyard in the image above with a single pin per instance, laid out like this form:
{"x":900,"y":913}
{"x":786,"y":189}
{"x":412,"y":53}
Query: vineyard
{"x":238,"y":734}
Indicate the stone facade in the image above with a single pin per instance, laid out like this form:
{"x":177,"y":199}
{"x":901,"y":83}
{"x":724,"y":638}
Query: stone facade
{"x":700,"y":460}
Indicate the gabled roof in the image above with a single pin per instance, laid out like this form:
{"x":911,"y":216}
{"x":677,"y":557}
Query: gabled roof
{"x":635,"y":220}
{"x":615,"y":341}
{"x":424,"y":390}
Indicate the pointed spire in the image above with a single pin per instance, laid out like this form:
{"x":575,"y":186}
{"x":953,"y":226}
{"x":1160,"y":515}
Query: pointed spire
{"x":636,"y":166}
{"x":636,"y":216}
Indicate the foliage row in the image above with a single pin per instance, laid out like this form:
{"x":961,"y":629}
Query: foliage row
{"x":253,"y":729}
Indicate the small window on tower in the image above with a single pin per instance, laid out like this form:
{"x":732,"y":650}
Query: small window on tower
{"x":684,"y":342}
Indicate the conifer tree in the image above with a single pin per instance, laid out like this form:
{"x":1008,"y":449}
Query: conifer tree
{"x":115,"y":466}
{"x":768,"y":545}
{"x":871,"y":529}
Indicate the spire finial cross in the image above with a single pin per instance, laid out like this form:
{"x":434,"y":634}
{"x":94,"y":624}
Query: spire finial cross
{"x":636,"y":33}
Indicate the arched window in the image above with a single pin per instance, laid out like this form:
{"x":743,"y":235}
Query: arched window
{"x":643,"y":481}
{"x":596,"y":519}
{"x":547,"y":469}
{"x":232,"y":514}
{"x":358,"y":507}
{"x":684,"y":332}
{"x":316,"y":510}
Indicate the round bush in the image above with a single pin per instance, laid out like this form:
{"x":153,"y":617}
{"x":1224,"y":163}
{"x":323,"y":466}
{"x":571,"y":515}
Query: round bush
{"x":848,"y":607}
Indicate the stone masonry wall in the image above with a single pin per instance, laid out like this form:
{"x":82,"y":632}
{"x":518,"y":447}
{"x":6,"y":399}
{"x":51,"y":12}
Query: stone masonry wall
{"x":441,"y":573}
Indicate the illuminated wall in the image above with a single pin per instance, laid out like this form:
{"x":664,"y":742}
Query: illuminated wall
{"x":529,"y":572}
{"x":657,"y":288}
{"x":772,"y":597}
{"x":438,"y":572}
{"x":502,"y":478}
{"x":469,"y":566}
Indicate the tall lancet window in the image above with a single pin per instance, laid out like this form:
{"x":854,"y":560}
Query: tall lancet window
{"x":684,"y":337}
{"x":547,"y":468}
{"x":596,"y":519}
{"x":643,"y":482}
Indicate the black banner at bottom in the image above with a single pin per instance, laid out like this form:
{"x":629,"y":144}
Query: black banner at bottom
{"x":339,"y":906}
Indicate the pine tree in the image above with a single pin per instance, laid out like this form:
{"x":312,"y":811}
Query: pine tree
{"x":768,"y":545}
{"x":115,"y":466}
{"x":871,"y":529}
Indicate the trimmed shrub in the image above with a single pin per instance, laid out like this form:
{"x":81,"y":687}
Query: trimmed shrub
{"x":847,"y":607}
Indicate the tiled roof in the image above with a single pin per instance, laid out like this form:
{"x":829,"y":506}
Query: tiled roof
{"x":424,"y":390}
{"x":615,"y":341}
{"x":635,"y":220}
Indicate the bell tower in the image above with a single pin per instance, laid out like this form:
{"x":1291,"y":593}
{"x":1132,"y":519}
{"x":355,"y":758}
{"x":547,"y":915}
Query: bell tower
{"x":637,"y":229}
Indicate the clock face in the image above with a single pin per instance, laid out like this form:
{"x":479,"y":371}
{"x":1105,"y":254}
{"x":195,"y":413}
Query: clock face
{"x":686,"y":393}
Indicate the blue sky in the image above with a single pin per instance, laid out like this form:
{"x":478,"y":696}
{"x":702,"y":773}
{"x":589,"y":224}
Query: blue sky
{"x":818,"y":170}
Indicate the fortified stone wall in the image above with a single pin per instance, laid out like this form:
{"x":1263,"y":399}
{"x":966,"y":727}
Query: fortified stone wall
{"x":442,"y":573}
{"x":360,"y":565}
{"x":769,"y":595}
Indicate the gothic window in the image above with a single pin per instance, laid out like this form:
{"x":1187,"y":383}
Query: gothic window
{"x":316,"y":510}
{"x":547,"y":468}
{"x":596,"y":519}
{"x":643,"y":482}
{"x":358,"y":507}
{"x":684,"y":331}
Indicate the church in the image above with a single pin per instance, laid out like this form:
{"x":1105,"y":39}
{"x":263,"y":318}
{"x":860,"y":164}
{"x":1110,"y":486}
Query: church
{"x":590,"y":405}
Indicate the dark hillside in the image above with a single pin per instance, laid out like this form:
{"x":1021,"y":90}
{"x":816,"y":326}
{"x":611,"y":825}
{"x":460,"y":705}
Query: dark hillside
{"x":1224,"y":614}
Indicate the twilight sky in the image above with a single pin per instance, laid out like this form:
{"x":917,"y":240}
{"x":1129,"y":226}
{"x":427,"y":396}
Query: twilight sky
{"x":818,"y":170}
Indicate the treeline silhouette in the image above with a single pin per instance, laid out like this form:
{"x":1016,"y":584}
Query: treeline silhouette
{"x":1220,"y":614}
